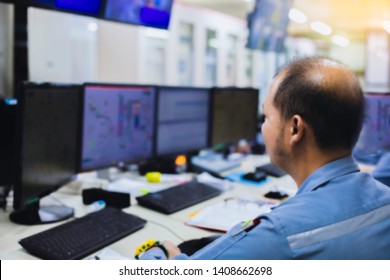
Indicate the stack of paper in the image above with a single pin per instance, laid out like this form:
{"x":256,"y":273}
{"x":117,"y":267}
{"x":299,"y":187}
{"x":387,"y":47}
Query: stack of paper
{"x":226,"y":214}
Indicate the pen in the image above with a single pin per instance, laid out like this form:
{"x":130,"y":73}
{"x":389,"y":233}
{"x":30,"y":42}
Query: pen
{"x":247,"y":226}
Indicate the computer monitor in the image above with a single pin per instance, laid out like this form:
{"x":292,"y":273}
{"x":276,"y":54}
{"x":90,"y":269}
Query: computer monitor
{"x":7,"y":141}
{"x":46,"y":141}
{"x":87,"y":7}
{"x":153,"y":13}
{"x":182,"y":120}
{"x":117,"y":125}
{"x":374,"y":138}
{"x":267,"y":25}
{"x":233,"y":115}
{"x":83,"y":7}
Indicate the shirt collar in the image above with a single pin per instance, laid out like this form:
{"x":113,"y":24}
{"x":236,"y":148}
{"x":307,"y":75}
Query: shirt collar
{"x":328,"y":172}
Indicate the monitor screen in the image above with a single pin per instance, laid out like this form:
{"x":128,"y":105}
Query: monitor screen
{"x":42,"y":2}
{"x":267,"y":25}
{"x":118,"y":125}
{"x":154,"y":13}
{"x":47,"y":138}
{"x":374,"y":138}
{"x":233,"y":115}
{"x":87,"y":7}
{"x":182,"y":120}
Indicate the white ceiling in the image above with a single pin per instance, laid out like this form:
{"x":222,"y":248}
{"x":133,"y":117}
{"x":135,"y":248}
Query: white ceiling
{"x":351,"y":18}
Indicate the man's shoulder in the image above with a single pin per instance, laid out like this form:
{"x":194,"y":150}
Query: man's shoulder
{"x":330,"y":203}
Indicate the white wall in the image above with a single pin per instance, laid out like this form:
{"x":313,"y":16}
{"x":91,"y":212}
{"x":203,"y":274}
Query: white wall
{"x":377,"y":61}
{"x":352,"y":56}
{"x":223,"y":25}
{"x":62,"y":47}
{"x":6,"y":50}
{"x":118,"y":48}
{"x":73,"y":48}
{"x":152,"y":55}
{"x":143,"y":55}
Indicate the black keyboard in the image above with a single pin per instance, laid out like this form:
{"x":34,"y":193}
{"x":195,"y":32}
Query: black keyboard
{"x":178,"y":197}
{"x":83,"y":236}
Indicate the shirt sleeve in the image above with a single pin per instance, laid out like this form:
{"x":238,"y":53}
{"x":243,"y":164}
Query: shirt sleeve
{"x":154,"y":253}
{"x":265,"y":241}
{"x":383,"y":166}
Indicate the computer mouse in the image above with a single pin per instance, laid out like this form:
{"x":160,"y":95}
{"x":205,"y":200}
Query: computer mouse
{"x":255,"y":176}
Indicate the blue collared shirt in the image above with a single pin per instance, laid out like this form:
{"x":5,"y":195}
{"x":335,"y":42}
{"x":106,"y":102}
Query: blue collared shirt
{"x":382,"y":170}
{"x":337,"y":213}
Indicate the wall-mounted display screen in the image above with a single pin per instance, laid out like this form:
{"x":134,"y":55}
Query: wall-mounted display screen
{"x":88,"y":7}
{"x":153,"y":13}
{"x":118,"y":125}
{"x":268,"y":25}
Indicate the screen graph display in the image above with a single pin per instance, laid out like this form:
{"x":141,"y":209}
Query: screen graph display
{"x":182,"y":120}
{"x":117,"y":125}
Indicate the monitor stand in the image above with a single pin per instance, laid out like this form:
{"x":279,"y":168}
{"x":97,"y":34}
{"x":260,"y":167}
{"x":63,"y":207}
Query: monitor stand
{"x":34,"y":214}
{"x":161,"y":164}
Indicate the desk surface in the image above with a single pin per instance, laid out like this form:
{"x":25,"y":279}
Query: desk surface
{"x":159,"y":226}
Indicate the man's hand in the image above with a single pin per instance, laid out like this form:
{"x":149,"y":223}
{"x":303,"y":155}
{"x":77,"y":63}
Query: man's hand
{"x":172,"y":249}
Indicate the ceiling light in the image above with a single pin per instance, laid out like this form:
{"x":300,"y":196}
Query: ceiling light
{"x":297,"y":16}
{"x":341,"y":41}
{"x":321,"y":27}
{"x":386,"y":25}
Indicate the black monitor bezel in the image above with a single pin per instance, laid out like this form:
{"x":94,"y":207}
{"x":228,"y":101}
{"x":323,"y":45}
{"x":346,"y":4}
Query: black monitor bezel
{"x":81,"y":126}
{"x":8,"y":162}
{"x":188,"y":151}
{"x":213,"y":91}
{"x":19,"y":201}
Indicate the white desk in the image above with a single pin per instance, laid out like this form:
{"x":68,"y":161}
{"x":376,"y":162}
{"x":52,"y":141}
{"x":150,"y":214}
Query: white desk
{"x":159,"y":226}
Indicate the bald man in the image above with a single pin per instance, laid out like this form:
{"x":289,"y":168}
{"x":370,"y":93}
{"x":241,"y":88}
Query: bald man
{"x":313,"y":116}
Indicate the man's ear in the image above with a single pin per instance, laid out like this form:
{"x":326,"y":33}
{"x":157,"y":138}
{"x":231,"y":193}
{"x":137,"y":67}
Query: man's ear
{"x":297,"y":129}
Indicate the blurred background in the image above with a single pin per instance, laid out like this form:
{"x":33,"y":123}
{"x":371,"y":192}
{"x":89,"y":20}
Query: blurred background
{"x":198,"y":43}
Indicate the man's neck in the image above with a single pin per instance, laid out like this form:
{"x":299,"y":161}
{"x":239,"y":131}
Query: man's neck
{"x":306,"y":163}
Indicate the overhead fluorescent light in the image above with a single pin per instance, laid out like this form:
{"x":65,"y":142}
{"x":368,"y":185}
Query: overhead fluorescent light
{"x":297,"y":16}
{"x":340,"y":40}
{"x":386,"y":25}
{"x":321,"y":27}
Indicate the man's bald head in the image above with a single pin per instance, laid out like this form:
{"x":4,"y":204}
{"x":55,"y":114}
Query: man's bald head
{"x":327,"y":96}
